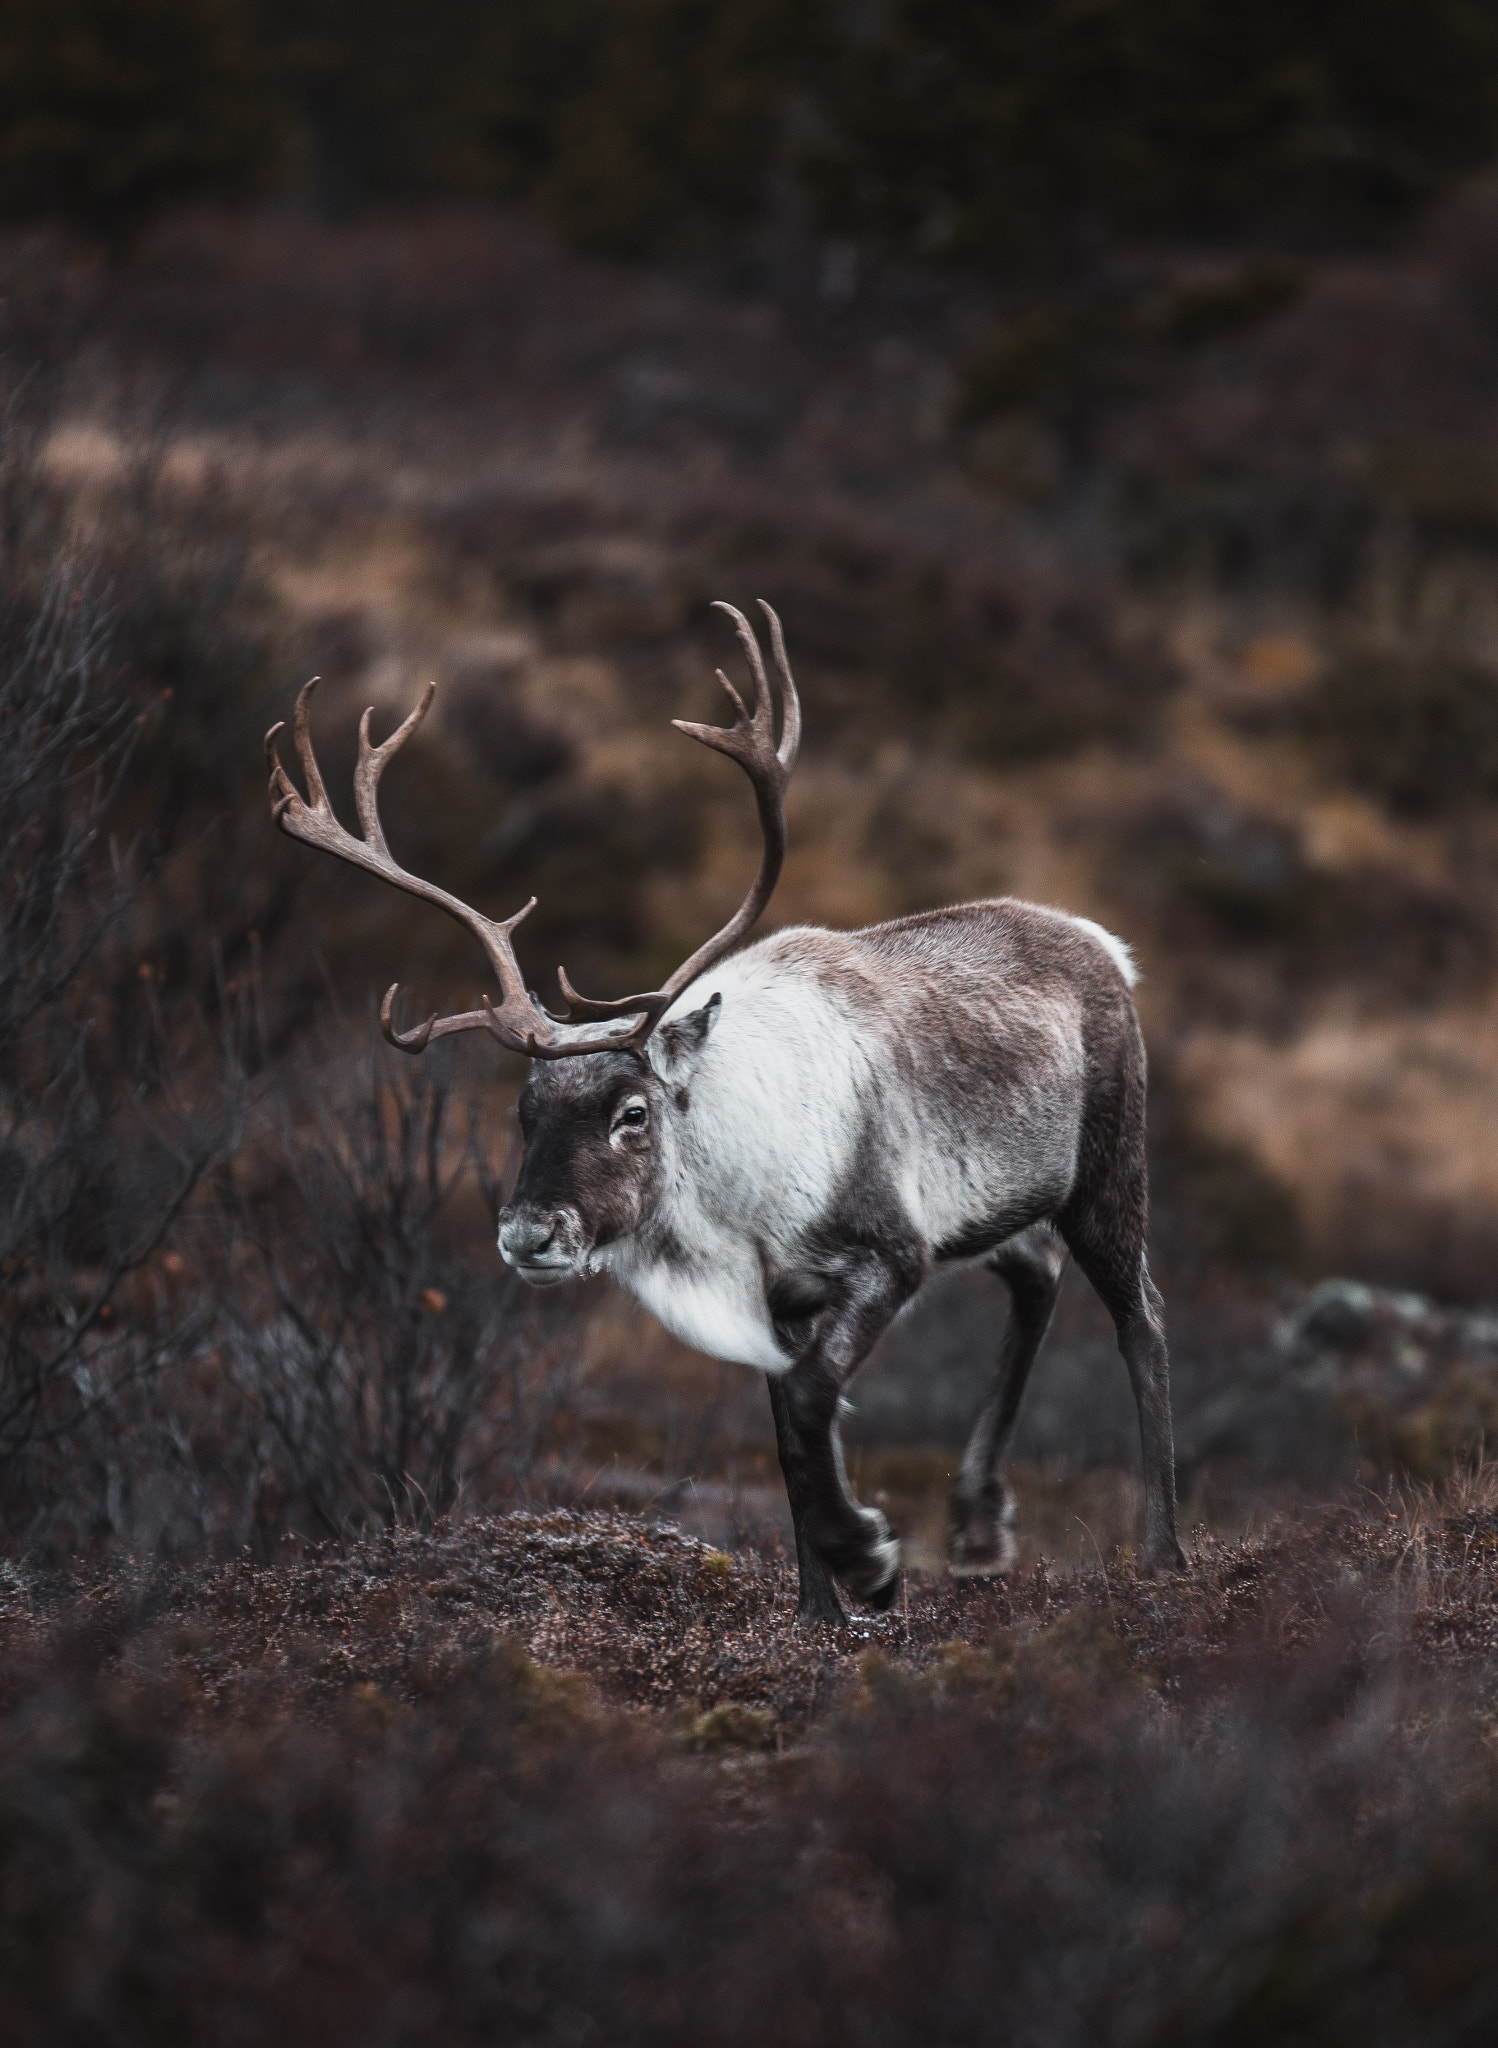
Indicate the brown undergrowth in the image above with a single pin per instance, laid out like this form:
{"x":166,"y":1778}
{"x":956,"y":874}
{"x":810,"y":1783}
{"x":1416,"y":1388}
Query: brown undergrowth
{"x":657,"y":1621}
{"x":566,"y":1777}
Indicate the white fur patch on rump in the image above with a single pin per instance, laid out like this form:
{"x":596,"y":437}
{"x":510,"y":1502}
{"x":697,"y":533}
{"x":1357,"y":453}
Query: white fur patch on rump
{"x":1120,"y":954}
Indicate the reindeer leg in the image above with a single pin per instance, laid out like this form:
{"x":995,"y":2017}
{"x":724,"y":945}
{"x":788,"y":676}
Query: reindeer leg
{"x":1141,"y":1339}
{"x":980,"y":1543}
{"x":1117,"y":1268}
{"x":834,"y":1535}
{"x":1106,"y":1224}
{"x":818,"y":1600}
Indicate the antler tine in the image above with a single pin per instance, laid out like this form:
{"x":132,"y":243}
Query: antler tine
{"x":372,"y":765}
{"x":750,"y":741}
{"x":283,"y":791}
{"x":486,"y":1019}
{"x":740,"y":715}
{"x":302,"y":733}
{"x":416,"y":1040}
{"x":736,"y":740}
{"x":584,"y":1010}
{"x":496,"y":940}
{"x":743,"y":741}
{"x":751,"y":737}
{"x":764,"y":708}
{"x":790,"y":703}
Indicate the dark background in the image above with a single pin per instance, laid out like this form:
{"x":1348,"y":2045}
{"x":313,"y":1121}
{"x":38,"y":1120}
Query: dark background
{"x":1105,"y":397}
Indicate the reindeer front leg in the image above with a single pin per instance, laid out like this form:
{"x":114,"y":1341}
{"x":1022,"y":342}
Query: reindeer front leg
{"x":818,"y":1600}
{"x":843,"y":1315}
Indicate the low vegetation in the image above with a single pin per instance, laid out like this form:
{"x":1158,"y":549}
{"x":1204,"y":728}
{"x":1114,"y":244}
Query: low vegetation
{"x":568,"y":1776}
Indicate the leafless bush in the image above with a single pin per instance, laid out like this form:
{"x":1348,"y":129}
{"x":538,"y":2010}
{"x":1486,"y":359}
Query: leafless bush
{"x":339,"y":1361}
{"x":95,"y":1168}
{"x":391,"y":1368}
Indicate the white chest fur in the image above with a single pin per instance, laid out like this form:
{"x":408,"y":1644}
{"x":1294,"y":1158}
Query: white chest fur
{"x":721,"y":1312}
{"x":759,"y":1143}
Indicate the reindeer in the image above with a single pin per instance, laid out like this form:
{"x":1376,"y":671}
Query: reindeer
{"x":774,"y":1150}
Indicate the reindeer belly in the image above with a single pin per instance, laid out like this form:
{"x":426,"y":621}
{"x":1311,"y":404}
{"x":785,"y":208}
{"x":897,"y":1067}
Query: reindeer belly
{"x":722,"y":1313}
{"x":967,"y":1198}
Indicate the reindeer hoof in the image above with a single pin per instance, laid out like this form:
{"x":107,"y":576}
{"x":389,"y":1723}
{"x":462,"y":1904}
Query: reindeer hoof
{"x":819,"y":1607}
{"x":1158,"y":1559}
{"x":996,"y":1566}
{"x":978,"y":1557}
{"x":983,"y":1553}
{"x":883,"y":1597}
{"x":875,"y":1579}
{"x":820,"y":1617}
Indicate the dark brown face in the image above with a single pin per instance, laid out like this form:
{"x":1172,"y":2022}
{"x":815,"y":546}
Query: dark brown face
{"x":588,"y":1176}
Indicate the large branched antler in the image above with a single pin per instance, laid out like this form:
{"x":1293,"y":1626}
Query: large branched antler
{"x":315,"y":825}
{"x":750,"y":741}
{"x":519,"y":1023}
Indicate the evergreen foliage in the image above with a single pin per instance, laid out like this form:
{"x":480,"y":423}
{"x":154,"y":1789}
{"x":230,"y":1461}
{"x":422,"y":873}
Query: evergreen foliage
{"x":1025,"y":138}
{"x":111,"y":110}
{"x":1034,"y":135}
{"x":412,"y":100}
{"x":1044,"y":142}
{"x":675,"y":143}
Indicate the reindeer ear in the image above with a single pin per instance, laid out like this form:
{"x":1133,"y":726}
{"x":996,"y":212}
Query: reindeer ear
{"x":680,"y":1041}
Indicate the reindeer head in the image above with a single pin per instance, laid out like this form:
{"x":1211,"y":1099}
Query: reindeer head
{"x":599,"y":1140}
{"x":595,"y":1130}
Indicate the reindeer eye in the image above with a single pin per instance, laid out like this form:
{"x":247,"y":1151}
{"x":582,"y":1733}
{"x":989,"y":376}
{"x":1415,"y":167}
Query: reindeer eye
{"x":632,"y":1118}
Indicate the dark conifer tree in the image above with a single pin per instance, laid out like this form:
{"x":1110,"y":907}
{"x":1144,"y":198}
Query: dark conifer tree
{"x":111,"y":110}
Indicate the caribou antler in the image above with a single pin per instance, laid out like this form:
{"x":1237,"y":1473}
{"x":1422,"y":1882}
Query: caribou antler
{"x":518,"y":1022}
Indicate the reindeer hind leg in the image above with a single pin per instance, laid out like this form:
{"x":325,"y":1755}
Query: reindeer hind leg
{"x":1107,"y":1240}
{"x":980,"y":1539}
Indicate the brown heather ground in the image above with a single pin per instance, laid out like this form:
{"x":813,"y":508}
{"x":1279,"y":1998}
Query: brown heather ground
{"x":656,"y":1621}
{"x":561,"y":1777}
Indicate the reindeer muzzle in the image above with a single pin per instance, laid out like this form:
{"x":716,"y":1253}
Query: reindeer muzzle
{"x":544,"y":1246}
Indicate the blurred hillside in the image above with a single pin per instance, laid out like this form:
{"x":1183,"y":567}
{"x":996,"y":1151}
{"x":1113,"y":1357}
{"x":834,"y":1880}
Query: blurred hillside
{"x":1131,"y":511}
{"x":1238,"y":702}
